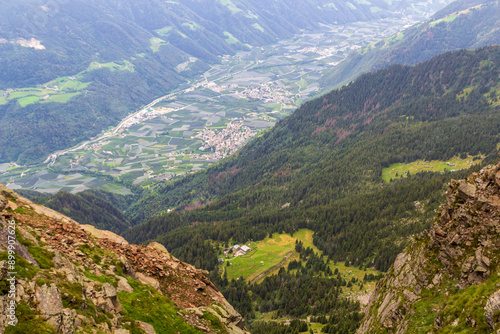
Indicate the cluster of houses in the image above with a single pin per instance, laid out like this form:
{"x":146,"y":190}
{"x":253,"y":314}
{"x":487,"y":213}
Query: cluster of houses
{"x":237,"y":251}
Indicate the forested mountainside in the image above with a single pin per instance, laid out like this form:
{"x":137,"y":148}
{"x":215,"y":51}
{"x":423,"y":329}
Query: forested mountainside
{"x":447,"y":280}
{"x":63,"y":277}
{"x":463,"y":24}
{"x":70,"y":69}
{"x":322,"y":167}
{"x":94,"y":207}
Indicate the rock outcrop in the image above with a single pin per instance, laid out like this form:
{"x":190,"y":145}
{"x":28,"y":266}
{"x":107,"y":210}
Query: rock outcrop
{"x":447,"y":279}
{"x":74,"y":278}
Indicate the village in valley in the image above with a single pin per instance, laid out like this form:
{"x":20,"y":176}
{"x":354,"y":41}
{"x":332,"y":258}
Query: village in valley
{"x":203,"y":121}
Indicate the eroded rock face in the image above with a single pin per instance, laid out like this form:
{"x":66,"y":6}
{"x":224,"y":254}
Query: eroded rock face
{"x":463,"y":246}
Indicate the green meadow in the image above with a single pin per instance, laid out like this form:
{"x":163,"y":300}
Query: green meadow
{"x":401,"y":170}
{"x":156,"y":43}
{"x":269,"y":252}
{"x":61,"y":89}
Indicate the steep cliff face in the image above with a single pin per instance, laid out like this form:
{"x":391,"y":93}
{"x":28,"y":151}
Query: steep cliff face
{"x":57,"y":276}
{"x":447,"y":281}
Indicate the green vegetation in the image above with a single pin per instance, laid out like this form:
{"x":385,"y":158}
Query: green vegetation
{"x":449,"y":18}
{"x":29,"y":322}
{"x":269,"y":251}
{"x":111,"y":65}
{"x":306,"y":287}
{"x":401,"y":170}
{"x":23,"y":268}
{"x":165,"y":31}
{"x":230,"y":39}
{"x":452,"y":305}
{"x":396,"y":37}
{"x":191,"y":25}
{"x":147,"y":305}
{"x":28,"y":100}
{"x":332,"y":175}
{"x":61,"y":120}
{"x":156,"y":43}
{"x":215,"y":322}
{"x":68,"y":89}
{"x":272,"y":252}
{"x":62,"y":98}
{"x":258,"y":27}
{"x":42,"y":256}
{"x":232,"y":7}
{"x":324,"y":170}
{"x":102,"y":279}
{"x":461,"y":25}
{"x":91,"y":207}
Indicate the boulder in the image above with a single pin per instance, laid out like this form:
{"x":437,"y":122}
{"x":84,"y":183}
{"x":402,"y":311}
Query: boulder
{"x":127,"y":267}
{"x":124,"y":286}
{"x":49,"y":299}
{"x":148,"y":280}
{"x":121,"y":331}
{"x":108,"y":290}
{"x":102,"y":234}
{"x":146,"y":327}
{"x":111,"y":302}
{"x":159,"y":247}
{"x":68,"y":321}
{"x":497,"y":178}
{"x":466,"y":190}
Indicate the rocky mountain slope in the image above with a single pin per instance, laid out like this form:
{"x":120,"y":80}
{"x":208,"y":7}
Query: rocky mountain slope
{"x":463,"y":24}
{"x":72,"y":278}
{"x":447,"y":280}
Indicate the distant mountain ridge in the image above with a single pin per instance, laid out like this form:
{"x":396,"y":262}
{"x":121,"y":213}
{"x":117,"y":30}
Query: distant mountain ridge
{"x":463,"y":24}
{"x":110,"y":57}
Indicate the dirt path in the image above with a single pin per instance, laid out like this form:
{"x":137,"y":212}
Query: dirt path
{"x":262,"y":275}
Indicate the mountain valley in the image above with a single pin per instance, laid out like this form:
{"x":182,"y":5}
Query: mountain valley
{"x":190,"y":128}
{"x":183,"y":167}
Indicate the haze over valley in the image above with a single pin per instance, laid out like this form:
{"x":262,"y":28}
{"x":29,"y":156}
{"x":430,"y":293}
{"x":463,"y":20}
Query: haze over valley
{"x":208,"y":118}
{"x":249,"y":166}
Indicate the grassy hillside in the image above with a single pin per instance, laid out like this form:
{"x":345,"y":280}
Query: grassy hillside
{"x":276,"y":251}
{"x":75,"y":279}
